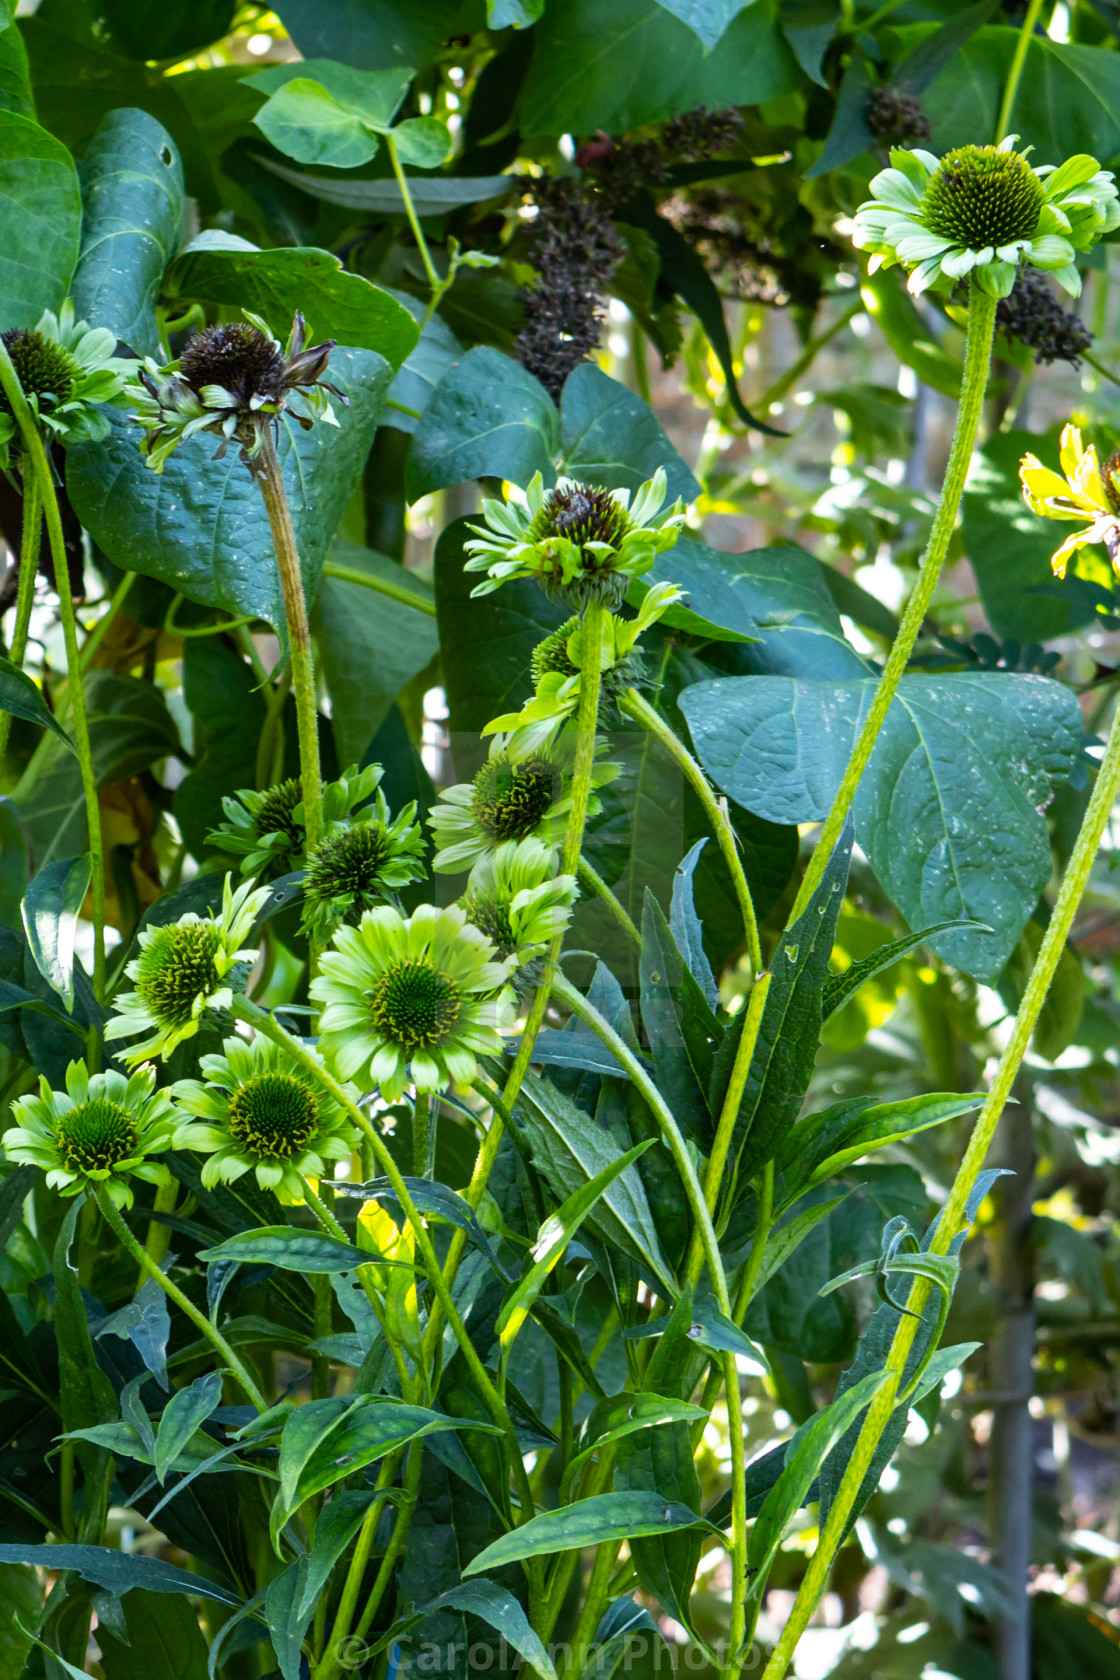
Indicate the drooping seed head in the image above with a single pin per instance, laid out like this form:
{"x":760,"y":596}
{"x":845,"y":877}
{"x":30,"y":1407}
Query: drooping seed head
{"x":982,"y":197}
{"x":414,"y":1005}
{"x":273,"y":1115}
{"x":95,"y":1136}
{"x":237,"y":356}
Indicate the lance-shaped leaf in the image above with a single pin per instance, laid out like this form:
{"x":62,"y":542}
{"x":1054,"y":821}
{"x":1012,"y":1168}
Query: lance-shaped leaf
{"x":291,"y":1250}
{"x":822,"y":1145}
{"x":621,"y":1415}
{"x":840,"y":987}
{"x":20,"y":696}
{"x":118,"y":1572}
{"x":434,"y":1201}
{"x":605,"y":1516}
{"x":497,"y":1606}
{"x":184,"y":1414}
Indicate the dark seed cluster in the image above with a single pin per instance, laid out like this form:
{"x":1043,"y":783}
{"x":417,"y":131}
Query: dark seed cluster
{"x":512,"y":796}
{"x":273,"y":1115}
{"x":415,"y":1005}
{"x":238,"y":357}
{"x":583,"y":513}
{"x":896,"y":117}
{"x":1033,"y":315}
{"x":274,"y":814}
{"x":178,"y":967}
{"x":43,"y":368}
{"x":983,"y":197}
{"x":95,"y":1135}
{"x":575,"y":251}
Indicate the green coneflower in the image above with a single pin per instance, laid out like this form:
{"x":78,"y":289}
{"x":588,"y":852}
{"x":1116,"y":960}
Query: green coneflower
{"x":983,"y":211}
{"x":266,"y":830}
{"x":579,"y":541}
{"x":256,"y":1109}
{"x":102,"y":1130}
{"x":516,"y":898}
{"x":520,"y":793}
{"x":65,"y":368}
{"x":358,"y":864}
{"x":416,"y":1000}
{"x":185,"y":971}
{"x":233,"y":380}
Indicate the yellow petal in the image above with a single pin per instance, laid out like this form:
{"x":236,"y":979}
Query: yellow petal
{"x":1039,"y":482}
{"x":1071,"y":449}
{"x":1086,"y":482}
{"x":1061,"y":557}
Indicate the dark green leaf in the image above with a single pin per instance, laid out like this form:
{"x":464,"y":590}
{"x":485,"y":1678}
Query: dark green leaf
{"x":85,"y":1391}
{"x":840,"y":987}
{"x":324,"y":1441}
{"x":715,"y":602}
{"x":822,"y":1145}
{"x":687,"y":929}
{"x":147,"y":29}
{"x":20,"y":696}
{"x":434,"y":1201}
{"x":335,"y":1526}
{"x":605,"y":1516}
{"x":611,"y":437}
{"x":50,"y":919}
{"x":164,"y":1638}
{"x":15,"y":77}
{"x":680,"y":1025}
{"x":431,"y":196}
{"x":275,"y":284}
{"x":220,"y":691}
{"x":924,"y":64}
{"x":949,"y":809}
{"x":118,"y":1572}
{"x":371,"y":34}
{"x":849,"y":134}
{"x":146,"y":1322}
{"x":20,"y":1592}
{"x":40,"y":220}
{"x":132,"y":210}
{"x":487,"y":418}
{"x":290,"y":1249}
{"x":201,"y":525}
{"x":286,"y":1618}
{"x":184,"y":1414}
{"x":497,"y":1606}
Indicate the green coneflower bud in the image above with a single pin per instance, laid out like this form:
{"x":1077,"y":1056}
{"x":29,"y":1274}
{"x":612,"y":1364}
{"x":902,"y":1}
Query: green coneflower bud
{"x":552,"y":656}
{"x":511,"y":796}
{"x":44,"y":369}
{"x":274,"y":813}
{"x":273,"y":1115}
{"x":358,"y":865}
{"x":179,"y":965}
{"x":982,"y":196}
{"x":415,"y":1004}
{"x":349,"y":864}
{"x":491,"y":917}
{"x":95,"y":1136}
{"x":583,"y":513}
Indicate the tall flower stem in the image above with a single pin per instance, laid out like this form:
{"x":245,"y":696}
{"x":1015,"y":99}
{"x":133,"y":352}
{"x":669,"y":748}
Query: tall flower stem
{"x":143,"y":1259}
{"x":25,"y":599}
{"x":434,"y":281}
{"x":978,"y":351}
{"x":1014,"y":75}
{"x":682,"y":1160}
{"x":638,"y":707}
{"x":949,"y":1224}
{"x":37,"y":467}
{"x":266,"y":471}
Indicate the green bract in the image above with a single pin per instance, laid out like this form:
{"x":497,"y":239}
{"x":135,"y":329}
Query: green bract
{"x":416,"y":1000}
{"x":186,"y":970}
{"x":516,"y":898}
{"x":522,"y":792}
{"x":102,"y":1130}
{"x":267,"y":830}
{"x":360,"y":863}
{"x":982,"y":210}
{"x":257,"y":1109}
{"x":579,"y":541}
{"x":233,"y":380}
{"x":65,"y":368}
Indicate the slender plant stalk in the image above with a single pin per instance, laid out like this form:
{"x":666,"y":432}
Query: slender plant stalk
{"x":434,"y":281}
{"x":394,"y":591}
{"x":266,"y":471}
{"x":600,"y":888}
{"x":25,"y":599}
{"x":978,"y":350}
{"x":950,"y":1222}
{"x":1014,"y":75}
{"x":636,"y":706}
{"x":199,"y":1319}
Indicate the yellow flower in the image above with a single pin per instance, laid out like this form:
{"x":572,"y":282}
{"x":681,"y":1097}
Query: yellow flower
{"x":1085,"y":491}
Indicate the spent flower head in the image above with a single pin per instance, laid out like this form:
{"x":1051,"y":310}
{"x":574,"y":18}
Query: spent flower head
{"x":65,"y":368}
{"x":186,"y":970}
{"x":257,"y":1109}
{"x":517,"y":899}
{"x":579,"y":541}
{"x":236,"y":381}
{"x":521,"y":792}
{"x":983,"y":211}
{"x":411,"y":1000}
{"x":1087,"y":492}
{"x":102,"y":1130}
{"x":267,"y":830}
{"x":360,"y":863}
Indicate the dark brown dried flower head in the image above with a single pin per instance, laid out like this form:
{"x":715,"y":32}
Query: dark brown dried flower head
{"x":896,"y":117}
{"x":1033,"y":315}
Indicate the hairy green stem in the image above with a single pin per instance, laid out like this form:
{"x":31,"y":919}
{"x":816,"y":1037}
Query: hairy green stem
{"x":1014,"y":75}
{"x":270,"y":479}
{"x":600,"y":888}
{"x":143,"y":1259}
{"x":25,"y":598}
{"x":636,"y":706}
{"x":978,"y":350}
{"x":394,"y":591}
{"x":1098,"y":811}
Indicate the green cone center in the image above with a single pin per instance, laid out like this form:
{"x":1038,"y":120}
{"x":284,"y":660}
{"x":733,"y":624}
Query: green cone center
{"x":273,"y":1115}
{"x":982,"y":197}
{"x":274,"y":813}
{"x":414,"y":1005}
{"x":583,"y":513}
{"x":96,"y":1135}
{"x":178,"y":968}
{"x":490,"y":916}
{"x":511,"y":797}
{"x":349,"y":864}
{"x":43,"y":368}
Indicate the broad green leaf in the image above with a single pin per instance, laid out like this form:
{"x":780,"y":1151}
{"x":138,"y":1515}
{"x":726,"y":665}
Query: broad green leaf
{"x":118,"y":1572}
{"x":908,"y":332}
{"x":201,"y":525}
{"x":164,"y":1638}
{"x":371,"y":645}
{"x":184,"y":1414}
{"x":374,"y":96}
{"x":15,"y":76}
{"x":804,"y":1456}
{"x":610,"y":436}
{"x":605,"y":1516}
{"x":436,"y":351}
{"x":497,"y":1606}
{"x":570,"y":1149}
{"x":553,"y":1239}
{"x":849,"y":133}
{"x":20,"y":1592}
{"x":372,"y":33}
{"x":220,"y":692}
{"x":948,"y":811}
{"x":132,"y":211}
{"x":305,"y":122}
{"x":20,"y":696}
{"x":706,"y":18}
{"x":50,"y":919}
{"x":40,"y":220}
{"x":431,"y":196}
{"x":223,"y":268}
{"x":714,"y":605}
{"x":148,"y":29}
{"x":290,"y":1249}
{"x":621,"y":1415}
{"x":423,"y":142}
{"x":487,"y":418}
{"x":618,"y":64}
{"x":334,"y":1441}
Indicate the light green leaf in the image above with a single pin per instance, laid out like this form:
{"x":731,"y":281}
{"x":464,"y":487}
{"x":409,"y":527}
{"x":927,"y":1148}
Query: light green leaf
{"x":588,"y":1522}
{"x":374,"y":96}
{"x":290,"y":1249}
{"x":423,"y":142}
{"x":305,"y":122}
{"x":50,"y":919}
{"x":40,"y":220}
